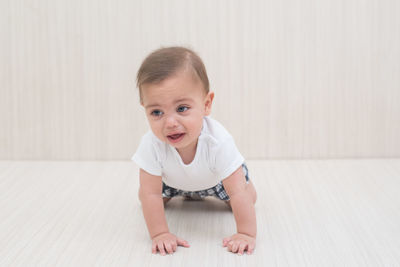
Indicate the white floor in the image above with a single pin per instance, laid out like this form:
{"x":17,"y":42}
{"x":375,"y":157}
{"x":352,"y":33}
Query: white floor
{"x":309,"y":213}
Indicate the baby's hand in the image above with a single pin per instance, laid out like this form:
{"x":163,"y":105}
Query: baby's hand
{"x":168,"y":242}
{"x":238,"y":243}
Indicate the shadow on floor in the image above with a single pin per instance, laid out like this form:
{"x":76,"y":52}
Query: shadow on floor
{"x":208,"y":204}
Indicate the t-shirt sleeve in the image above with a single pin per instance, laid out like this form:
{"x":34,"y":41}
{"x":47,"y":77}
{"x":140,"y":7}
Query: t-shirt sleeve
{"x":146,"y":156}
{"x":227,"y":158}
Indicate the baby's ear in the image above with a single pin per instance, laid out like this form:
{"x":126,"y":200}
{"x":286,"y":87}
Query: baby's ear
{"x":208,"y":102}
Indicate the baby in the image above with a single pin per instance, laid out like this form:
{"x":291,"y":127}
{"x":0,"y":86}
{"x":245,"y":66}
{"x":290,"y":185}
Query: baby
{"x":187,"y":153}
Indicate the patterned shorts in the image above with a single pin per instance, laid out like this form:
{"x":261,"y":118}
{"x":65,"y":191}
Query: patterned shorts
{"x":217,"y":191}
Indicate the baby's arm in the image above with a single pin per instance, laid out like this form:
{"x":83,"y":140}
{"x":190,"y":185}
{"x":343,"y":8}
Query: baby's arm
{"x":150,"y":195}
{"x":242,"y":203}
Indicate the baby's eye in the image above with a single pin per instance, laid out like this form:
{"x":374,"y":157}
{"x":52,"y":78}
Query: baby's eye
{"x":156,"y":113}
{"x":182,"y":108}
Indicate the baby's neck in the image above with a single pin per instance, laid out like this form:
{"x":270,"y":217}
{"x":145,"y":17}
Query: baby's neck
{"x":188,"y":153}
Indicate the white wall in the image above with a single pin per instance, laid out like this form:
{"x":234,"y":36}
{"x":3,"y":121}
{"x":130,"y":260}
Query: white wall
{"x":293,"y":79}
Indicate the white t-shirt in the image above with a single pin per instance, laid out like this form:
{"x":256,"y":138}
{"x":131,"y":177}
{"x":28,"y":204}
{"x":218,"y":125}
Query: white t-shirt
{"x":216,"y":158}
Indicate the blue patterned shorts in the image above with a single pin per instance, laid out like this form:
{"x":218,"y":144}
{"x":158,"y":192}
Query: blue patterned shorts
{"x":217,"y":191}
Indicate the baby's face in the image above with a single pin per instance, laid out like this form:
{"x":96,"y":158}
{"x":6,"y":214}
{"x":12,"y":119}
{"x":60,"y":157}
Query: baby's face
{"x":175,"y":109}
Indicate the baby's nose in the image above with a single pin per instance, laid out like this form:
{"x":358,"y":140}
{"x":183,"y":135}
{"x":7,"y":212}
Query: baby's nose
{"x":171,"y":122}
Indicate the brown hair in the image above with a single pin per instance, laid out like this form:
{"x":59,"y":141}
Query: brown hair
{"x":165,"y":62}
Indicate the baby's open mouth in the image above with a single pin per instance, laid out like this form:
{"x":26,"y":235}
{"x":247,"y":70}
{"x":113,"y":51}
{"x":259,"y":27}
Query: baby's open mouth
{"x":175,"y":137}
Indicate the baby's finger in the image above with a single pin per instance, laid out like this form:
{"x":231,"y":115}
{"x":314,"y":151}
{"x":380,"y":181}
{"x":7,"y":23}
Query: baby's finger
{"x":174,"y":245}
{"x":226,"y":241}
{"x":182,"y":242}
{"x":154,"y":248}
{"x":242,"y":247}
{"x":168,"y":247}
{"x":229,"y":247}
{"x":235,"y":246}
{"x":251,"y":248}
{"x":160,"y":246}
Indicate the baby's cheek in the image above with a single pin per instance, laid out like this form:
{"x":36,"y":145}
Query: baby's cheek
{"x":157,"y":130}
